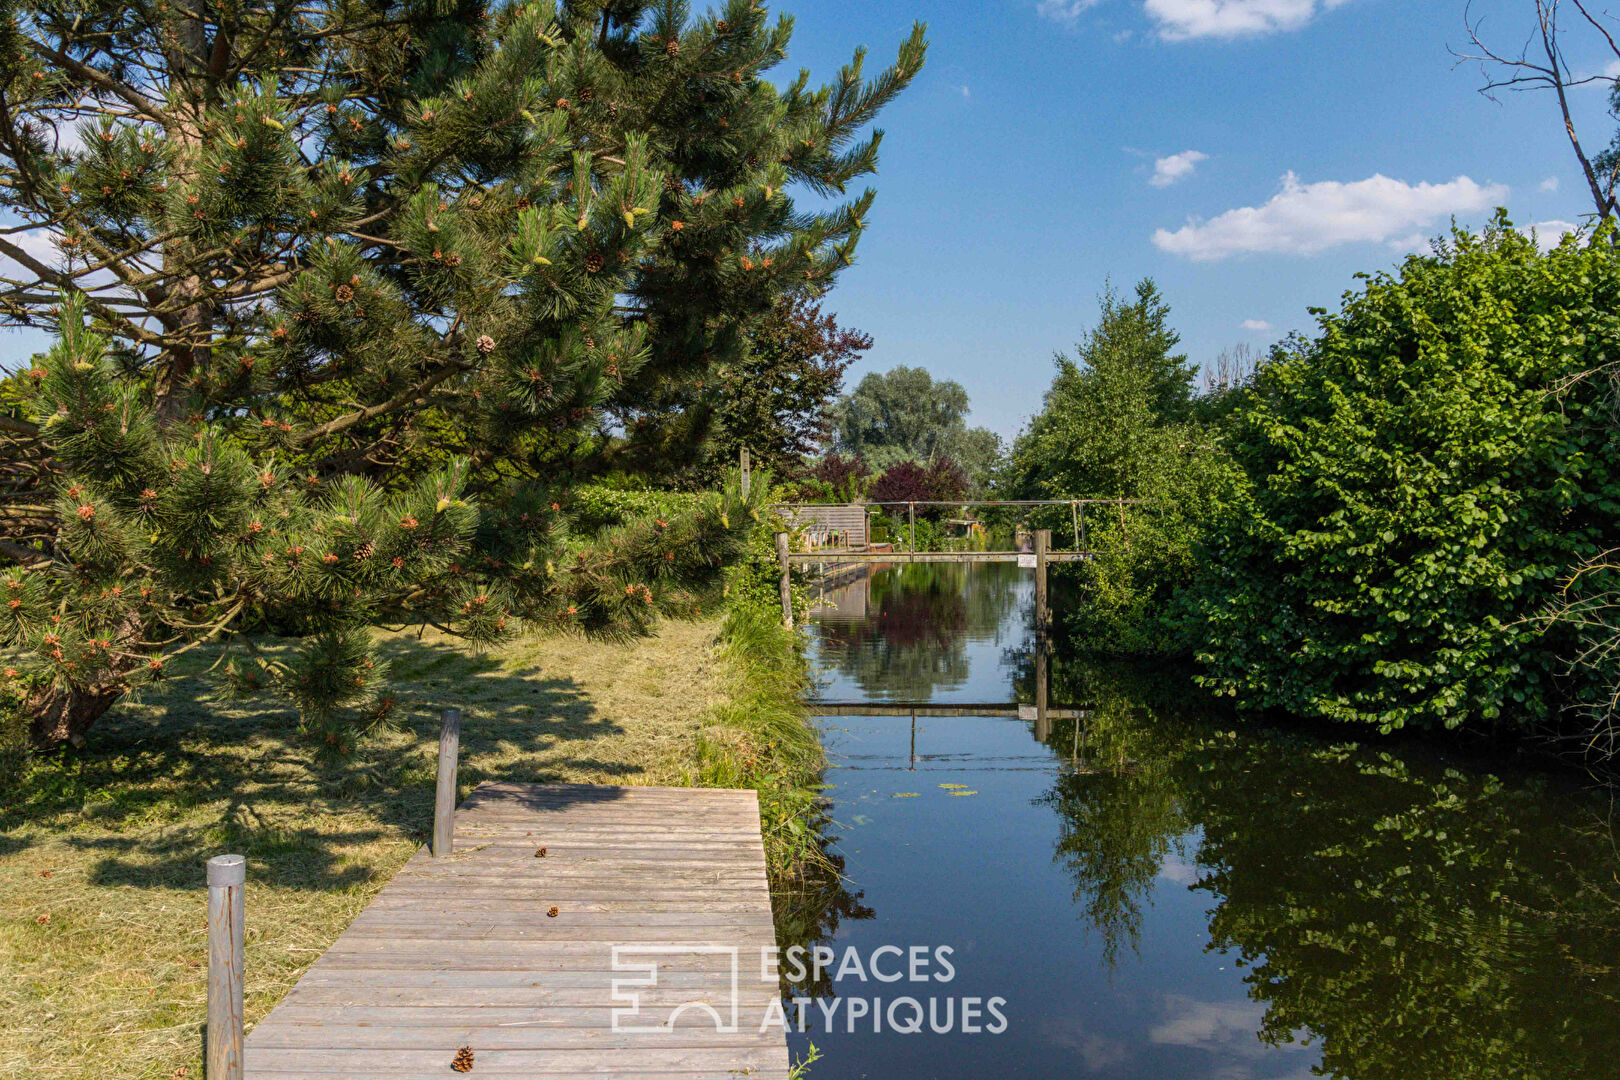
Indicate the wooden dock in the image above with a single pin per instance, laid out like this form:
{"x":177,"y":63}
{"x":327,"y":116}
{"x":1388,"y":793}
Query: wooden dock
{"x":463,"y":951}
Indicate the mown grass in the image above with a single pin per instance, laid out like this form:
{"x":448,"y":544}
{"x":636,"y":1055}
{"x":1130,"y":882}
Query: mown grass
{"x":102,"y":904}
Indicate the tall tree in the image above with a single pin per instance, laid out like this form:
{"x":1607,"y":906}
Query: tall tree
{"x":1112,"y":411}
{"x":905,"y":414}
{"x":1116,"y":424}
{"x":344,"y":293}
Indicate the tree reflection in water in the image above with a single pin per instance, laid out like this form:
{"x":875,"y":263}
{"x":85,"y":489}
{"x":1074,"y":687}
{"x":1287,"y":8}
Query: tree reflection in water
{"x":918,"y":621}
{"x":1420,"y":917}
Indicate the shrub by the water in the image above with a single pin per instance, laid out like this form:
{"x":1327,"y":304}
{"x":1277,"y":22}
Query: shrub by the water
{"x":1415,"y":482}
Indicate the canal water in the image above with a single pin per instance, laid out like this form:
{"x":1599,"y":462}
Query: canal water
{"x":1150,"y":889}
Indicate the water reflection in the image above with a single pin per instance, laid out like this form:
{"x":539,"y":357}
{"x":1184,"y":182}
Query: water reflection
{"x":1251,"y":903}
{"x":919,"y":620}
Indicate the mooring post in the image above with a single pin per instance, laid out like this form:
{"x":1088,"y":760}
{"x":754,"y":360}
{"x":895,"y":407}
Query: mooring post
{"x":444,"y":797}
{"x":747,"y":472}
{"x":786,"y":583}
{"x":911,"y":516}
{"x":227,"y":879}
{"x":1043,"y":614}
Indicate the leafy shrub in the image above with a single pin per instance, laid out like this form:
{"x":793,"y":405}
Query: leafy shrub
{"x":1413,"y":488}
{"x":592,"y":507}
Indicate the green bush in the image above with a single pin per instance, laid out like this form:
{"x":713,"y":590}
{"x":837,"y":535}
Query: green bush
{"x":1415,"y":481}
{"x":592,"y":507}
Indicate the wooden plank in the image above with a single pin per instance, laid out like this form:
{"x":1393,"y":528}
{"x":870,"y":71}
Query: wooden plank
{"x":657,"y":1060}
{"x":533,"y":997}
{"x":461,"y":950}
{"x":358,"y":1071}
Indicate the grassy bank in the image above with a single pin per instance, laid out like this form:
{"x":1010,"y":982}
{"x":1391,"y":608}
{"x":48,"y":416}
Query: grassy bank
{"x":759,"y":736}
{"x":101,"y":851}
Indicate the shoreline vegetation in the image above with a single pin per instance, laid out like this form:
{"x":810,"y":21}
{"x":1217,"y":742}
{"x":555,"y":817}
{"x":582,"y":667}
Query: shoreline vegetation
{"x":101,"y":901}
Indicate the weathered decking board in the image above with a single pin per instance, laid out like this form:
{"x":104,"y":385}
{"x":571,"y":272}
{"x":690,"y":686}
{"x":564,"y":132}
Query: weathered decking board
{"x":459,"y":951}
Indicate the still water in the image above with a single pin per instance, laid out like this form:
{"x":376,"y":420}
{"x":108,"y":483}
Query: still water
{"x":1157,"y":891}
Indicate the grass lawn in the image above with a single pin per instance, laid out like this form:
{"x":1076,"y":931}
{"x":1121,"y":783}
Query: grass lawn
{"x":102,"y":897}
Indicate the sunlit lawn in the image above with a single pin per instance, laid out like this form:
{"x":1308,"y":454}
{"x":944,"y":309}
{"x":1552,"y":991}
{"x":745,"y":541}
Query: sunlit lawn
{"x":102,"y":903}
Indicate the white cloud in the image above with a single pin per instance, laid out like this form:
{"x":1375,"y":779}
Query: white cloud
{"x":1168,"y":170}
{"x":1304,"y":219}
{"x":1064,"y":11}
{"x":1550,"y":184}
{"x":1257,"y":325}
{"x":1179,"y":20}
{"x":966,"y":93}
{"x":39,"y":246}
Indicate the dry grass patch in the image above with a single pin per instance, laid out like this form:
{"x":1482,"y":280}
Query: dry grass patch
{"x":102,"y":903}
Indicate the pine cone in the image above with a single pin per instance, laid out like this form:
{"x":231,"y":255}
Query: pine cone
{"x":486,"y":344}
{"x":673,"y":48}
{"x":344,"y":294}
{"x":464,"y":1060}
{"x":593,"y":263}
{"x":552,"y":912}
{"x":363,"y":552}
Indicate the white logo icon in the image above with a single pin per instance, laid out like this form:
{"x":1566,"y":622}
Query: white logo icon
{"x":628,"y":990}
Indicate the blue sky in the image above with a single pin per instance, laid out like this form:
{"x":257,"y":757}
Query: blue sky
{"x":1021,"y":172}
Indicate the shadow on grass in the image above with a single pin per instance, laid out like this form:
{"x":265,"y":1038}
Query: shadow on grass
{"x":175,"y":777}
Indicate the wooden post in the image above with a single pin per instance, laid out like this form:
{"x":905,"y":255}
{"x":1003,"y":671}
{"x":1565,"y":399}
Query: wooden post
{"x":1074,"y":520}
{"x":911,"y":516}
{"x":444,"y":798}
{"x":227,"y":880}
{"x":787,"y":579}
{"x":747,"y":472}
{"x":1084,"y":540}
{"x":1043,"y":614}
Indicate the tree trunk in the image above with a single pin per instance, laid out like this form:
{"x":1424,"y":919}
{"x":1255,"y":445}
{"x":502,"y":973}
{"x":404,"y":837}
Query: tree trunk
{"x":62,"y":714}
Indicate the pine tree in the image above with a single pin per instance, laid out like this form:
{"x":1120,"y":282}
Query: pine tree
{"x":732,"y":148}
{"x":338,"y":295}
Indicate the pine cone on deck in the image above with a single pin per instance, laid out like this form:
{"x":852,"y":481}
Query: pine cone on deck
{"x":464,"y":1060}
